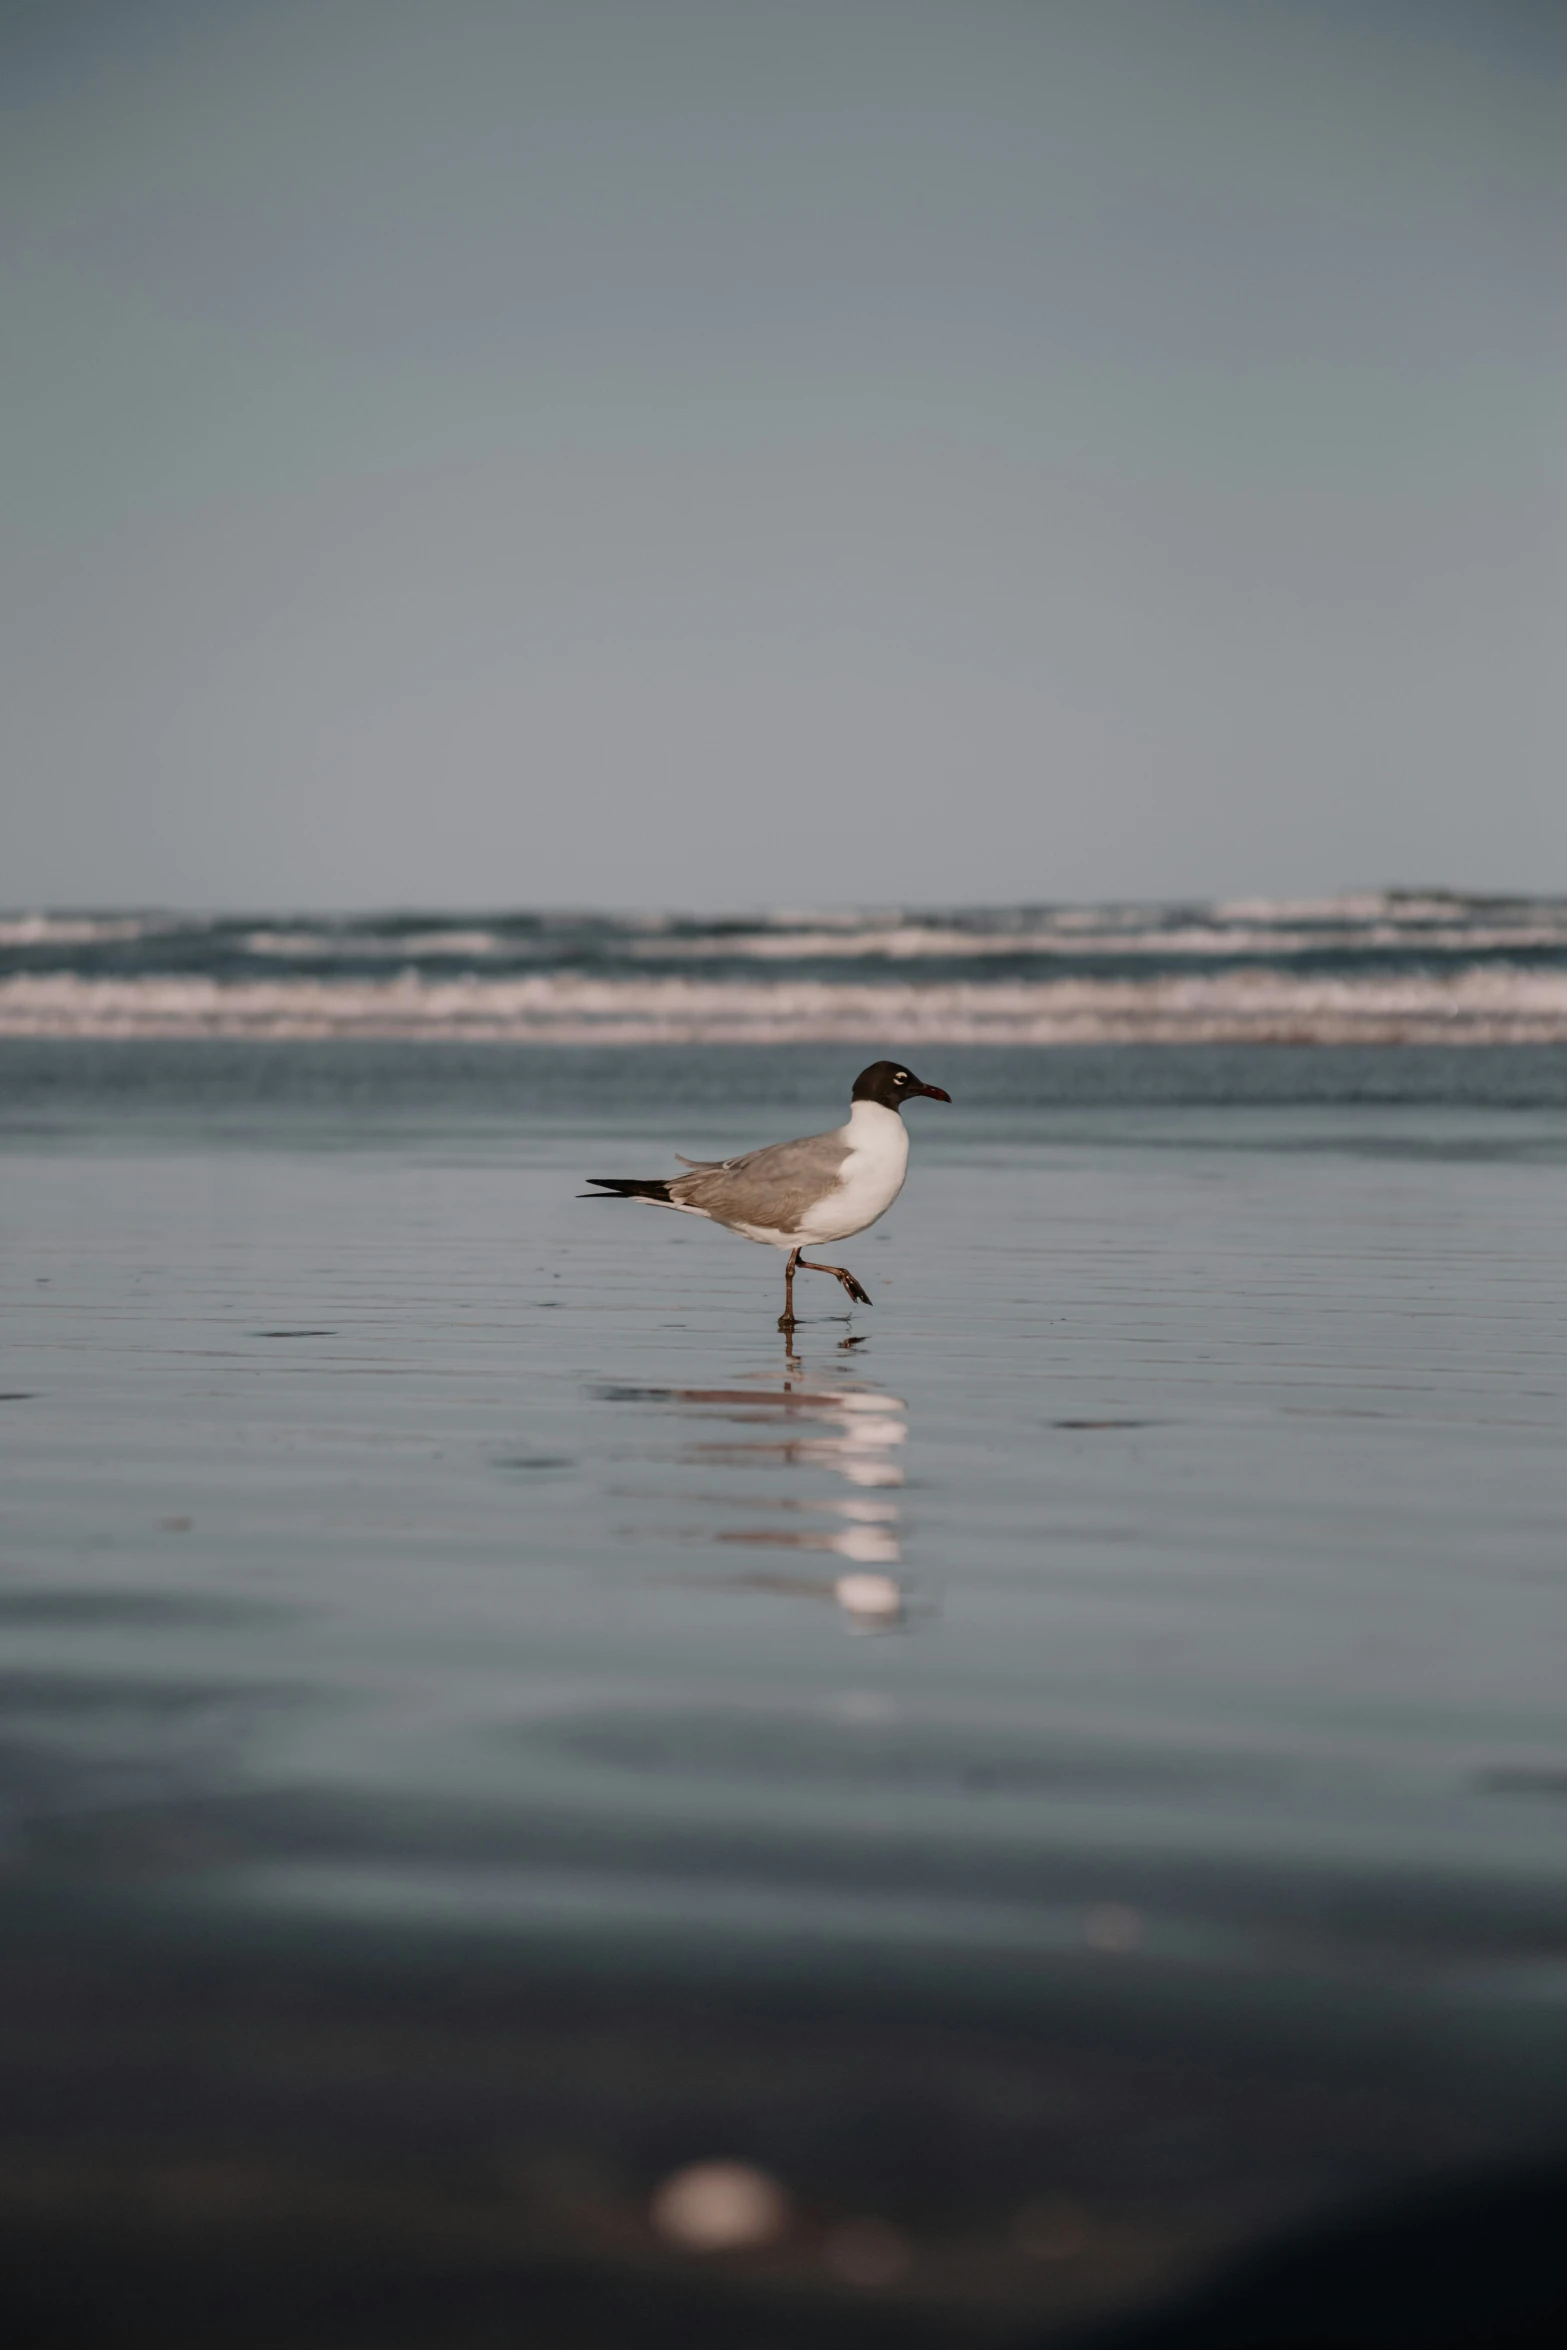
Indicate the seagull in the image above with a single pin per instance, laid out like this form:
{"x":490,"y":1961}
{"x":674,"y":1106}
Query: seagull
{"x":798,"y":1195}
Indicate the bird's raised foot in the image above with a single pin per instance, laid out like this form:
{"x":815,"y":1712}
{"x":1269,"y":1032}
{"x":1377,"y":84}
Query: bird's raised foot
{"x":861,"y":1297}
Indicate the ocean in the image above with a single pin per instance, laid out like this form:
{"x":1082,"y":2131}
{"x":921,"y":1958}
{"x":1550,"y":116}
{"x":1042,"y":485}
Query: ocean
{"x":1376,"y":968}
{"x":1062,"y":1771}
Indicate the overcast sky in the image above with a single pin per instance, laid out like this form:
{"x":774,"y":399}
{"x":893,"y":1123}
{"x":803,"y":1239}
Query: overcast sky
{"x":708,"y":452}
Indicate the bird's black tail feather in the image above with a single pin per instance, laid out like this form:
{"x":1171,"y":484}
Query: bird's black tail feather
{"x":627,"y":1187}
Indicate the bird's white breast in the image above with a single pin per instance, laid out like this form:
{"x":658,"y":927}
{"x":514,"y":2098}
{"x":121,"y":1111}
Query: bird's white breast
{"x":870,"y":1179}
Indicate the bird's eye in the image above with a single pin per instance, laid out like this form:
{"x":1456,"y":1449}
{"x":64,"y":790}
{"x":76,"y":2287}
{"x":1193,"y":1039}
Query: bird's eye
{"x":901,"y":1077}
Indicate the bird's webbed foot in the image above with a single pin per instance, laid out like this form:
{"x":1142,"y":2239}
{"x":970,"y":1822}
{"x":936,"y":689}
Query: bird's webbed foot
{"x":861,"y":1297}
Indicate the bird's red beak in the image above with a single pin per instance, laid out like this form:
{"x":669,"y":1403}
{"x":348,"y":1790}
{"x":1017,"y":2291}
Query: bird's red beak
{"x":934,"y":1091}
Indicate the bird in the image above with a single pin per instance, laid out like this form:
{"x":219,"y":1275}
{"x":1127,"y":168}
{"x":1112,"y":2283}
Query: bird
{"x":799,"y":1195}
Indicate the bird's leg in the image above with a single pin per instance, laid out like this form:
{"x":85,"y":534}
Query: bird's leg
{"x":786,"y":1318}
{"x":841,"y":1273}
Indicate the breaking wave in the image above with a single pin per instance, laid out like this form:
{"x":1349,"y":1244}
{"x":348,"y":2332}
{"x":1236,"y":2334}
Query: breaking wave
{"x":1372,"y":968}
{"x":1474,"y":1007}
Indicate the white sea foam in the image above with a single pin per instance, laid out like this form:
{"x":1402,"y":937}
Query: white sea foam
{"x":376,"y":946}
{"x":76,"y":930}
{"x":1489,"y":1004}
{"x":1363,"y":905}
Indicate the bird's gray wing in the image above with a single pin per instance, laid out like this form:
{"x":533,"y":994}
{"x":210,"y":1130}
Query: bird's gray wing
{"x":685,"y":1162}
{"x":774,"y":1188}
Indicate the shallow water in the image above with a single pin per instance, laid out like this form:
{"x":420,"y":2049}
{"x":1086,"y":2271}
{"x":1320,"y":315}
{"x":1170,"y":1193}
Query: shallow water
{"x":396,"y":1545}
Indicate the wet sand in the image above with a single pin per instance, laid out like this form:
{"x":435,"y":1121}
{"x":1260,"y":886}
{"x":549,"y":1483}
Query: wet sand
{"x":1067,"y":1766}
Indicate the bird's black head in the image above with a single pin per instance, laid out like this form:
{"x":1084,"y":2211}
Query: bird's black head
{"x":892,"y":1083}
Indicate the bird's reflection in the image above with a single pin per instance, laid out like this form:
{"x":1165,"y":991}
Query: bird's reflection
{"x":828,"y":1425}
